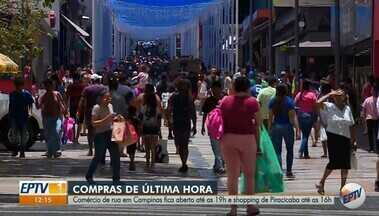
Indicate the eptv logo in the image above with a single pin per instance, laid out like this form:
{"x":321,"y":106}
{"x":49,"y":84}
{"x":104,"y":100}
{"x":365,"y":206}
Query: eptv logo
{"x":353,"y":195}
{"x":43,"y":192}
{"x":43,"y":188}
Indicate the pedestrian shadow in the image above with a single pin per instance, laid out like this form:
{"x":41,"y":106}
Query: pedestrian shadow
{"x":73,"y":168}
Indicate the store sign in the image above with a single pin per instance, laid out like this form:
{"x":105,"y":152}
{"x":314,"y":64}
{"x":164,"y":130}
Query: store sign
{"x":304,"y":3}
{"x":355,"y":18}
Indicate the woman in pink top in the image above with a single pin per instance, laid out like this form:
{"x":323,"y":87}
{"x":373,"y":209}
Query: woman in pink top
{"x":241,"y":135}
{"x":306,"y":102}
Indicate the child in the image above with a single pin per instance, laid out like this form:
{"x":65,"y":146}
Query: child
{"x":209,"y":104}
{"x":20,"y":101}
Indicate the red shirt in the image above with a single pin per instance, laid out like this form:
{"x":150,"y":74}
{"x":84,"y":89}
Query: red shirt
{"x":238,"y":114}
{"x":306,"y":101}
{"x":74,"y":91}
{"x":366,"y":91}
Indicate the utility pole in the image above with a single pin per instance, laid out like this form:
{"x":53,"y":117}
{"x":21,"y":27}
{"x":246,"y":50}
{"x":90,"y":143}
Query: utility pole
{"x":271,"y":66}
{"x":251,"y":33}
{"x":337,"y":46}
{"x":94,"y":35}
{"x":237,"y":34}
{"x":297,"y":38}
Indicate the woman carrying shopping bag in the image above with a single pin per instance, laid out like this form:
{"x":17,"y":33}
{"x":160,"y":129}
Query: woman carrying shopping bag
{"x":239,"y":141}
{"x":151,"y":111}
{"x":102,"y":120}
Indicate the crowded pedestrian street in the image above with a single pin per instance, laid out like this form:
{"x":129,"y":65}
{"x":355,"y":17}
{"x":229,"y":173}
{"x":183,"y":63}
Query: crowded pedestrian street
{"x":74,"y":163}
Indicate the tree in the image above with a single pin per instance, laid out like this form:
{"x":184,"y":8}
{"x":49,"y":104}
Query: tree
{"x":21,"y":28}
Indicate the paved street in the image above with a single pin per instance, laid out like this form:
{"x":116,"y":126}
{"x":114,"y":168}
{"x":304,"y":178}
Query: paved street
{"x":74,"y":163}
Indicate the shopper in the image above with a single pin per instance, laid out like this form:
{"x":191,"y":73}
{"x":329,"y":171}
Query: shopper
{"x":257,"y":87}
{"x":371,"y":116}
{"x":282,"y":120}
{"x":341,"y":135}
{"x":181,"y":107}
{"x":325,"y":89}
{"x":53,"y":109}
{"x":241,"y":135}
{"x":73,"y":94}
{"x":264,"y":97}
{"x":151,"y":111}
{"x":86,"y":104}
{"x":20,"y":101}
{"x":368,"y":87}
{"x":102,"y":119}
{"x":306,"y":101}
{"x":211,"y":103}
{"x":228,"y":83}
{"x":168,"y":117}
{"x":213,"y":77}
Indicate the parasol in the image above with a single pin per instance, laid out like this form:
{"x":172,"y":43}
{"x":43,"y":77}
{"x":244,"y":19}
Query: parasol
{"x":7,"y":65}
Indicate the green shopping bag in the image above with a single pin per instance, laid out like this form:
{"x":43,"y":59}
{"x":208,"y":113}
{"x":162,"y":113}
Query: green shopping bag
{"x":268,"y":175}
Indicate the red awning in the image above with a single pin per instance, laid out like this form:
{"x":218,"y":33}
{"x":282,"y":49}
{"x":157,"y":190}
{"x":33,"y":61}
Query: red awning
{"x":260,"y":16}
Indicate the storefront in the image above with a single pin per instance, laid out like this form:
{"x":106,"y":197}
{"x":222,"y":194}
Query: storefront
{"x":356,"y":41}
{"x":376,"y":40}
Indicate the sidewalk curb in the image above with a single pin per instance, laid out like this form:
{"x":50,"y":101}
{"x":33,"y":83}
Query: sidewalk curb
{"x":8,"y":198}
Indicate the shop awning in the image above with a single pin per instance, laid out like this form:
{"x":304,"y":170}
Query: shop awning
{"x":283,"y":42}
{"x":315,"y":44}
{"x":76,"y":27}
{"x":311,"y":40}
{"x":304,"y":3}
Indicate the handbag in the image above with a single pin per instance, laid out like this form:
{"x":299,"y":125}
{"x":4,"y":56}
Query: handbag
{"x":268,"y":173}
{"x":215,"y":124}
{"x":68,"y":129}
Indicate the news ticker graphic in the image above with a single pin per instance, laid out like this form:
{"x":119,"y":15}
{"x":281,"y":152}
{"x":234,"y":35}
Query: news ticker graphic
{"x":353,"y":196}
{"x":43,"y":192}
{"x":199,"y":200}
{"x":165,"y":193}
{"x":59,"y":192}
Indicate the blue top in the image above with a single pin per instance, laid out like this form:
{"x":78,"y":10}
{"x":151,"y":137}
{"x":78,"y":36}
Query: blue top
{"x":255,"y":90}
{"x":282,"y":117}
{"x":251,"y":74}
{"x":19,"y":103}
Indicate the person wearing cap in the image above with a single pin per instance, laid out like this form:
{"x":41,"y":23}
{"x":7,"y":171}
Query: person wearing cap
{"x":341,"y":135}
